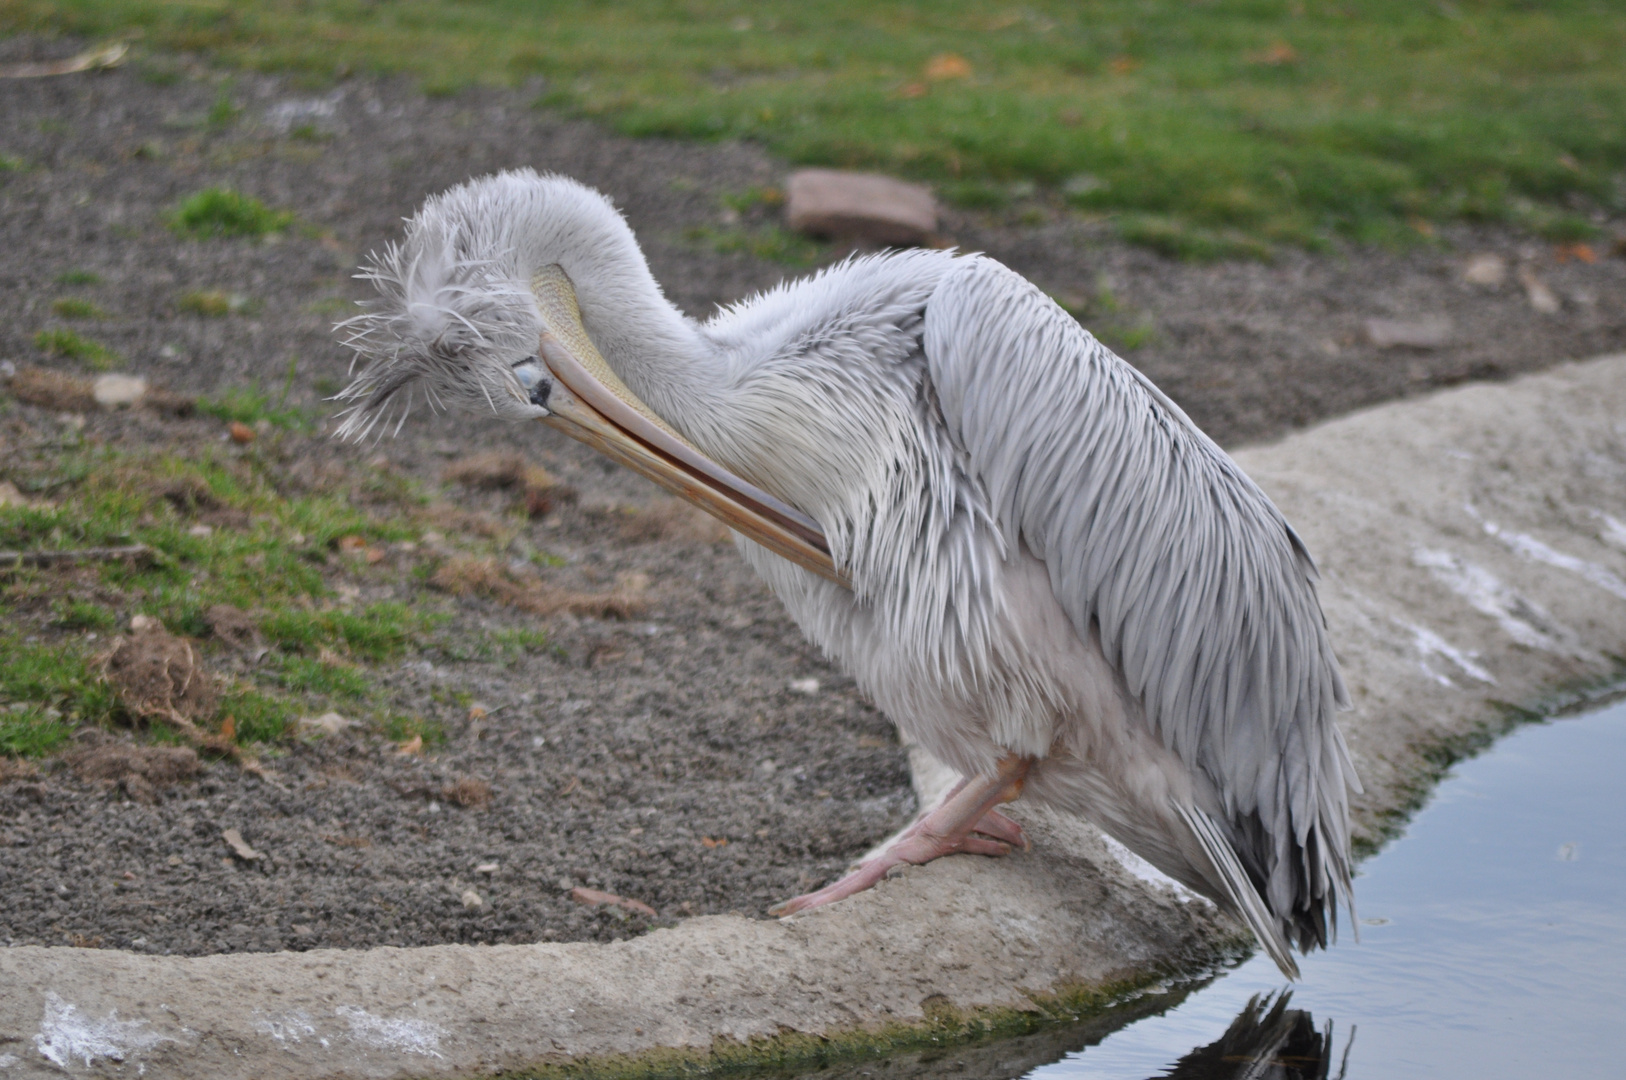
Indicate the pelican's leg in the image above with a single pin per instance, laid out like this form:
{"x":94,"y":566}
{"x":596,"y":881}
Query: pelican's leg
{"x":964,"y":822}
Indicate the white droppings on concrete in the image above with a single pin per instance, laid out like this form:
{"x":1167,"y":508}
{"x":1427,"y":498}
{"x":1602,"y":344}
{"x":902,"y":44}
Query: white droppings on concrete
{"x":66,"y":1034}
{"x":285,"y":1028}
{"x":1528,"y":547}
{"x":8,"y":1060}
{"x":1522,"y":620}
{"x":1145,"y":871}
{"x":1430,"y":644}
{"x":1614,"y":530}
{"x":404,"y":1036}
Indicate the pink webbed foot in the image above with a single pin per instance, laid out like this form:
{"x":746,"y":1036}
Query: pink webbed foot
{"x":967,"y":822}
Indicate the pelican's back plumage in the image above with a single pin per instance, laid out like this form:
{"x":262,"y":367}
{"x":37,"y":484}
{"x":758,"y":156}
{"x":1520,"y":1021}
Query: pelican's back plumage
{"x":1202,"y":595}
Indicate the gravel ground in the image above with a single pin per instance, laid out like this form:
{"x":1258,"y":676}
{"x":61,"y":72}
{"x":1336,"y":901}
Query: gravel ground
{"x":625,"y":756}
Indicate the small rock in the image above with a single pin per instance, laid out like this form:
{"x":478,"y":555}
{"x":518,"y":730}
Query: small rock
{"x":140,"y":624}
{"x":1541,"y":297}
{"x":488,"y":868}
{"x":118,"y":391}
{"x":1486,"y":270}
{"x":330,"y":723}
{"x":766,"y":768}
{"x":804,"y":686}
{"x":7,"y":370}
{"x":1428,"y":332}
{"x":201,"y":530}
{"x":471,"y":899}
{"x":241,"y":433}
{"x":860,"y":206}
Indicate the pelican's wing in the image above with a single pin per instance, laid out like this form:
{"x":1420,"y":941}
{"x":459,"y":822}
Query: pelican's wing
{"x":1203,"y":595}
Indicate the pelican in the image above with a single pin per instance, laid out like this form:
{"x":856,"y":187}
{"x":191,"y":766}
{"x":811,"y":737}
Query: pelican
{"x":1024,"y":553}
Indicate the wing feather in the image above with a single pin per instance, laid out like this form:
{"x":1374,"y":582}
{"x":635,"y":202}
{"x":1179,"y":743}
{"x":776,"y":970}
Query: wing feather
{"x":1201,"y":593}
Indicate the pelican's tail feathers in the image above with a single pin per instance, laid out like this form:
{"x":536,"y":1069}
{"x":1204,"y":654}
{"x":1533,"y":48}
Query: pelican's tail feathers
{"x":1245,"y":898}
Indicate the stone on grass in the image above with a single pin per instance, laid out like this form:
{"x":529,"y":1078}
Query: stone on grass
{"x":1487,"y":270}
{"x":118,"y":391}
{"x":1428,"y":332}
{"x":859,"y":206}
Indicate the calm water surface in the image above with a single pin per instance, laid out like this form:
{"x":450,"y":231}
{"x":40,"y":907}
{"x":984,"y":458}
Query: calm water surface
{"x":1493,"y":943}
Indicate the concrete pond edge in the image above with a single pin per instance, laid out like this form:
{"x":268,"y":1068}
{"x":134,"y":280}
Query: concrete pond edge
{"x":1473,"y":551}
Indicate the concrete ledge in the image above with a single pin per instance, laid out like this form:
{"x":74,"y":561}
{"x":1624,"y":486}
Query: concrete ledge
{"x":1474,"y":560}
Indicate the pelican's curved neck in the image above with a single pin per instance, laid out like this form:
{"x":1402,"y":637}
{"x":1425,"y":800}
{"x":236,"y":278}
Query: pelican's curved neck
{"x":656,"y":350}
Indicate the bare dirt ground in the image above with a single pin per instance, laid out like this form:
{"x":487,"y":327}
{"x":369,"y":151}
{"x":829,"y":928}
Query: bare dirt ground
{"x":665,"y":757}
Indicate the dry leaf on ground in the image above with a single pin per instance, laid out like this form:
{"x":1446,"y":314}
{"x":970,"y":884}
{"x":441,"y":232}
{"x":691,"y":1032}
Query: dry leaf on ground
{"x":499,"y":470}
{"x":53,"y":390}
{"x":594,"y":898}
{"x":468,"y":791}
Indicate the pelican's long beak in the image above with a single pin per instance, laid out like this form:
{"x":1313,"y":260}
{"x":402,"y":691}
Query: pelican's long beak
{"x":589,"y":402}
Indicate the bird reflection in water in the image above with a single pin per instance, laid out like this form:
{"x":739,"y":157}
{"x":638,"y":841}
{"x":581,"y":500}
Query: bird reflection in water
{"x":1267,"y":1041}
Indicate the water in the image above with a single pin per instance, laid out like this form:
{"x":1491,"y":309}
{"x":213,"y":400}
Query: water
{"x":1493,"y":943}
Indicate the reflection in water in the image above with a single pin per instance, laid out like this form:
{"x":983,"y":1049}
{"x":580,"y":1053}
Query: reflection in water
{"x":1267,"y":1041}
{"x":1493,"y":942}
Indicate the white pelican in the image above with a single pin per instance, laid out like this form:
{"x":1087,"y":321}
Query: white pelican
{"x":1023,"y":552}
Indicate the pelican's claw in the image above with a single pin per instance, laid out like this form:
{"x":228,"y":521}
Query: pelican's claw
{"x":967,"y":822}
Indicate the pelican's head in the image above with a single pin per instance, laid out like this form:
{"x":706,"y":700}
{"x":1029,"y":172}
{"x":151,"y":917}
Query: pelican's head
{"x":480,"y":305}
{"x":456,"y":316}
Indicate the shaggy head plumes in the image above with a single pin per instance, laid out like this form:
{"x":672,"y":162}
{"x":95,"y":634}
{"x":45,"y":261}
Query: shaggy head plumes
{"x":454,"y":314}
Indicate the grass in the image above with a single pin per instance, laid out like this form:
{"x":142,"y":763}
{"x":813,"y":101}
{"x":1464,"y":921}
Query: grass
{"x":78,"y":277}
{"x":1210,"y":128}
{"x":70,"y":346}
{"x":72,"y":307}
{"x":31,"y":732}
{"x":277,"y":568}
{"x":767,"y":242}
{"x":219,"y":212}
{"x":250,"y":405}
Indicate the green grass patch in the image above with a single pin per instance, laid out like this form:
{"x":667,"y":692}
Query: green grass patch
{"x":70,"y":346}
{"x":1283,"y":121}
{"x":257,"y":717}
{"x":304,"y":675}
{"x":28,"y":731}
{"x":83,"y":615}
{"x":10,"y":163}
{"x":78,"y":277}
{"x":56,"y":682}
{"x":218,"y":212}
{"x":213,"y":304}
{"x":400,"y":728}
{"x":376,"y":632}
{"x":223,"y":113}
{"x":249,"y":405}
{"x":767,"y":242}
{"x":73,"y":307}
{"x":275,"y":563}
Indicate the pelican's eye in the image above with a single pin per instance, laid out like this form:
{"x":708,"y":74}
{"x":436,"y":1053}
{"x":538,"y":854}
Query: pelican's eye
{"x":534,"y":378}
